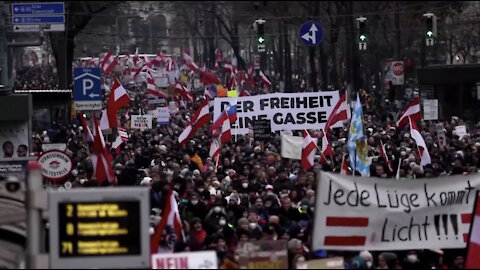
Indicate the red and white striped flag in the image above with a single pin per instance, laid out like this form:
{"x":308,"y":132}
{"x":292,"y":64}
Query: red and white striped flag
{"x":412,"y":111}
{"x":199,"y":119}
{"x":86,"y":129}
{"x":189,"y":61}
{"x":159,"y":58}
{"x":152,"y":88}
{"x":226,"y":134}
{"x":101,"y":157}
{"x":383,"y":154}
{"x":170,"y":217}
{"x":215,"y":148}
{"x":117,"y":99}
{"x":121,"y":138}
{"x":344,"y":168}
{"x":309,"y":148}
{"x":183,"y":92}
{"x":108,"y":63}
{"x":473,"y":252}
{"x":327,"y":149}
{"x":170,"y":64}
{"x":265,"y":80}
{"x":340,"y":113}
{"x":422,"y":147}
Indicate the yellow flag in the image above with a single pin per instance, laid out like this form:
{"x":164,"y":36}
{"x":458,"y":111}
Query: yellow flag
{"x":233,"y":93}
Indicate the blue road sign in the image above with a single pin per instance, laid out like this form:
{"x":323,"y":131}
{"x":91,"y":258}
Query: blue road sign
{"x":311,"y":33}
{"x":38,"y":8}
{"x":87,"y":84}
{"x":38,"y":19}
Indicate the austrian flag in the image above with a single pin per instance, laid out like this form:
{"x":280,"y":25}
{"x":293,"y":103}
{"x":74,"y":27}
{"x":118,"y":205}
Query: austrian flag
{"x":108,"y":63}
{"x":117,"y":99}
{"x":309,"y":148}
{"x":265,"y":80}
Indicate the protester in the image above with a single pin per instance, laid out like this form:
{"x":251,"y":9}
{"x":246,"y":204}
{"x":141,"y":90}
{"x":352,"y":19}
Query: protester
{"x":253,"y":193}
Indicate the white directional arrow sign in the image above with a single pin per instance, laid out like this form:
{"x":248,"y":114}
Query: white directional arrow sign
{"x":92,"y":95}
{"x":311,"y":35}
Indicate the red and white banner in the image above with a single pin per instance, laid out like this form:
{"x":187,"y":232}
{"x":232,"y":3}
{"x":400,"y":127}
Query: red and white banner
{"x":357,"y":213}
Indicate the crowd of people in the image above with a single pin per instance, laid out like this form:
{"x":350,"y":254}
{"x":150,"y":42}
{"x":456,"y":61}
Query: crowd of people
{"x":255,"y":194}
{"x":35,"y":77}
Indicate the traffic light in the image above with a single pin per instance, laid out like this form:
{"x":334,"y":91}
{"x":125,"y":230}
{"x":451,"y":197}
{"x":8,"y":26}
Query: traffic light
{"x":431,"y":25}
{"x":260,"y":35}
{"x":362,"y":33}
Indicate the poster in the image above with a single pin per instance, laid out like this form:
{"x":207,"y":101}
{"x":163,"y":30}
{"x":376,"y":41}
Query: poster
{"x":287,"y":111}
{"x":185,"y":260}
{"x":430,"y":109}
{"x":163,"y":115}
{"x":14,"y":139}
{"x":461,"y":131}
{"x":442,"y":139}
{"x":291,"y":146}
{"x":141,"y":121}
{"x":262,"y":254}
{"x":356,"y":213}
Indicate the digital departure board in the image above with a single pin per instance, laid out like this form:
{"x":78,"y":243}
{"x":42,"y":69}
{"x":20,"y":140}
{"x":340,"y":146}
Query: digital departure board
{"x":99,"y":228}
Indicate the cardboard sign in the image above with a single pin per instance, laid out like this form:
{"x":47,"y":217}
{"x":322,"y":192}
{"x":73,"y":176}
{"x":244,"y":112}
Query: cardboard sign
{"x":185,"y":260}
{"x":357,"y":213}
{"x":262,"y":130}
{"x":287,"y":111}
{"x":173,"y":107}
{"x":262,"y":254}
{"x":141,"y":121}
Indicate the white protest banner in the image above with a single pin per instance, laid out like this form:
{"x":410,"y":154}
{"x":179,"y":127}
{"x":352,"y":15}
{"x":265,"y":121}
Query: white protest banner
{"x":287,"y":111}
{"x":461,"y":131}
{"x":291,"y":146}
{"x":141,"y":121}
{"x":430,"y":109}
{"x":356,"y":213}
{"x":185,"y":260}
{"x":163,"y":115}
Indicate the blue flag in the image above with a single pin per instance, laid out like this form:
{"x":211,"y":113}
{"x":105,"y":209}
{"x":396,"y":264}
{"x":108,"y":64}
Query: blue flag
{"x":357,"y":142}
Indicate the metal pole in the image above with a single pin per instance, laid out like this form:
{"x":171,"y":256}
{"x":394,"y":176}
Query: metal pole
{"x":34,"y":217}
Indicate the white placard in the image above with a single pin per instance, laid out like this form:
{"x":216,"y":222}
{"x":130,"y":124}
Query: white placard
{"x":357,"y":213}
{"x":461,"y":131}
{"x":141,"y":121}
{"x":185,"y":260}
{"x":430,"y":109}
{"x":287,"y":111}
{"x":163,"y":115}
